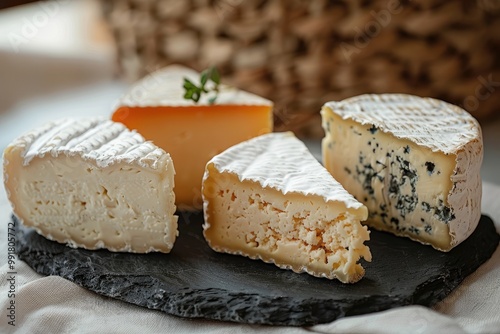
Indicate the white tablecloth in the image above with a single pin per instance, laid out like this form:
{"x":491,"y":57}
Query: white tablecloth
{"x":55,"y":305}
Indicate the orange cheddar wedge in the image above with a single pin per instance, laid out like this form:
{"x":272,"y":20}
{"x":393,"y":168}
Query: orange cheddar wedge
{"x":191,"y":132}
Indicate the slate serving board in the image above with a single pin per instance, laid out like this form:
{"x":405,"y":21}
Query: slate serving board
{"x":195,"y":282}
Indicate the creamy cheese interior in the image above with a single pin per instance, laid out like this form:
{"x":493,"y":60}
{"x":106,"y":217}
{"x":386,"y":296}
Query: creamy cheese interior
{"x":122,"y":207}
{"x":294,"y":231}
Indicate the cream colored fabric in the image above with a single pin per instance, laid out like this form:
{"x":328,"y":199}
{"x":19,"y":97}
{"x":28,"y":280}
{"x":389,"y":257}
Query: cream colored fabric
{"x":55,"y":305}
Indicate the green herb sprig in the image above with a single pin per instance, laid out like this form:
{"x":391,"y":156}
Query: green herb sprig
{"x":194,"y":92}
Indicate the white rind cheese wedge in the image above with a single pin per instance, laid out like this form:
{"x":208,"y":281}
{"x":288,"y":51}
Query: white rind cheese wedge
{"x":268,"y":198}
{"x":93,"y":184}
{"x":414,"y":162}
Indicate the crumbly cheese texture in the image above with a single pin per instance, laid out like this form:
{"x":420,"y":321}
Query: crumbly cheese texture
{"x":414,"y":162}
{"x":191,"y":132}
{"x":268,"y":198}
{"x":93,"y":184}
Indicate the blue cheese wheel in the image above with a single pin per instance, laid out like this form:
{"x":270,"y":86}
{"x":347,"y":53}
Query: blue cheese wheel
{"x":414,"y":162}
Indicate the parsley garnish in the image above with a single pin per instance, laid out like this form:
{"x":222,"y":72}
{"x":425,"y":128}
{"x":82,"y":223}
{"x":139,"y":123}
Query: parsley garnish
{"x":193,"y":92}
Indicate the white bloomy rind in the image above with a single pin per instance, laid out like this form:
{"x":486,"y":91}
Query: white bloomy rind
{"x":438,"y":125}
{"x":92,"y":183}
{"x":164,"y":87}
{"x":103,"y":141}
{"x":431,"y":124}
{"x":282,"y":162}
{"x":268,"y":198}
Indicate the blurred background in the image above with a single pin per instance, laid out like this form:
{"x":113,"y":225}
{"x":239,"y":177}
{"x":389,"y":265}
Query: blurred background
{"x":76,"y":57}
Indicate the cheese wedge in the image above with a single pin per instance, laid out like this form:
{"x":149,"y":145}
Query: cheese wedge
{"x":414,"y":162}
{"x":94,"y":184}
{"x":268,"y":198}
{"x":191,"y":132}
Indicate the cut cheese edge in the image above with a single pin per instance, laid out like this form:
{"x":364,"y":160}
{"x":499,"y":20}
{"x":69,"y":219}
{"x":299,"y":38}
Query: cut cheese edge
{"x":414,"y":162}
{"x":94,"y":184}
{"x":191,"y":132}
{"x":268,"y":198}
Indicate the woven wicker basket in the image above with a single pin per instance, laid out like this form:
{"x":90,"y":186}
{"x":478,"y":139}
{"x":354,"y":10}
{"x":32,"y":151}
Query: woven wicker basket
{"x":301,"y":54}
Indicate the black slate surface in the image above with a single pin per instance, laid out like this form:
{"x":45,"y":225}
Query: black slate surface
{"x":193,"y":281}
